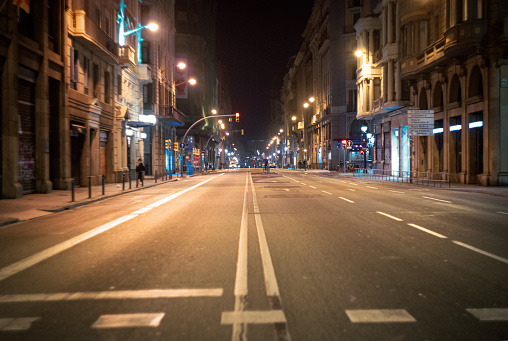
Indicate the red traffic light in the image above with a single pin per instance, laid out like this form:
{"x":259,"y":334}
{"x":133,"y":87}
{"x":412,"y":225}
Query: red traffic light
{"x":237,"y":115}
{"x":343,"y":142}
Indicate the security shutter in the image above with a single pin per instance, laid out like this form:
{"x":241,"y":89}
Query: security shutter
{"x":26,"y":104}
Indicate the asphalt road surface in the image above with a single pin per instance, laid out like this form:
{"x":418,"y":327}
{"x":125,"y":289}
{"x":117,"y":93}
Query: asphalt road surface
{"x":253,"y":256}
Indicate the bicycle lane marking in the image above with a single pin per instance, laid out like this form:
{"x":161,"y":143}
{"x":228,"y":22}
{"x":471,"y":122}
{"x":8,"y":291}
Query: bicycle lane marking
{"x":28,"y":262}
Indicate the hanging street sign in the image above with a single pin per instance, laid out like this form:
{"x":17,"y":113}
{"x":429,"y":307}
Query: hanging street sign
{"x":182,"y":145}
{"x":420,"y":122}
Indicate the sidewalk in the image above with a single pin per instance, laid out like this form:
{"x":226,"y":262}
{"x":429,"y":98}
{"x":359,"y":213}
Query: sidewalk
{"x":36,"y":205}
{"x":492,"y":190}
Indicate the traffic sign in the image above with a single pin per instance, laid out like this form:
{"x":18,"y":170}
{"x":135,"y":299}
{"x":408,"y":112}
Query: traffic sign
{"x":182,"y":145}
{"x":420,"y":122}
{"x":349,"y":144}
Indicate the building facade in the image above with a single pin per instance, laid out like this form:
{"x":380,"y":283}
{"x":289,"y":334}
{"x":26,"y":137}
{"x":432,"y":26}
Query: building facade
{"x":447,"y":57}
{"x":87,"y":89}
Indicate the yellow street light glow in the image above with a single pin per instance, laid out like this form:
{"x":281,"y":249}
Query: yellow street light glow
{"x":192,"y":81}
{"x":311,"y":99}
{"x":306,"y":105}
{"x":152,"y":26}
{"x":220,"y":122}
{"x":281,"y":130}
{"x":293,"y":118}
{"x":358,"y":53}
{"x":214,"y":111}
{"x":222,"y":126}
{"x":181,"y":65}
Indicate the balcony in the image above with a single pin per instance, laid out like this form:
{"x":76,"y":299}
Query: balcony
{"x":89,"y":34}
{"x":171,"y":115}
{"x":424,"y":60}
{"x":144,"y":73}
{"x":127,"y":56}
{"x":464,"y":37}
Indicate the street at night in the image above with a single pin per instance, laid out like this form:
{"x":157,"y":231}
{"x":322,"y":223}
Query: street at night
{"x":245,"y":255}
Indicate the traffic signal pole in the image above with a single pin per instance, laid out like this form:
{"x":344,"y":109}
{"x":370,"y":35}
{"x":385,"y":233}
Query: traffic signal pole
{"x":182,"y":156}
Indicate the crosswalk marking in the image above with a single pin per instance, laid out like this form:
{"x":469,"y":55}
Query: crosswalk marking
{"x":113,"y":295}
{"x":379,"y":316}
{"x":16,"y":324}
{"x":128,"y":320}
{"x":490,"y":314}
{"x":253,"y":317}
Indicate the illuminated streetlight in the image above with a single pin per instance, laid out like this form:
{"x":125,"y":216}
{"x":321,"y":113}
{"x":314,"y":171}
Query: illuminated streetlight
{"x":181,"y":65}
{"x":358,"y":53}
{"x":293,"y":118}
{"x":214,"y":111}
{"x":311,"y":99}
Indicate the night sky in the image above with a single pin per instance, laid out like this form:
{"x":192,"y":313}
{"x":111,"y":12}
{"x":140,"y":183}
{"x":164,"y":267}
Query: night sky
{"x":255,"y":40}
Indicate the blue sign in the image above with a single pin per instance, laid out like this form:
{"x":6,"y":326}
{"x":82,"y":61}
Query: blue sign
{"x":182,"y":145}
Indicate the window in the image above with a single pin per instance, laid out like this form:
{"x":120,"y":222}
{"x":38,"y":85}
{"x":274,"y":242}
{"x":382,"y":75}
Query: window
{"x":147,"y":96}
{"x":423,"y":36}
{"x":456,"y":144}
{"x":107,"y":87}
{"x":86,"y":73}
{"x":145,"y":52}
{"x":119,"y":85}
{"x":356,"y":16}
{"x":96,"y":80}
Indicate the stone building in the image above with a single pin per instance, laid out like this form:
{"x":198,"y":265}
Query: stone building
{"x":446,"y":56}
{"x":87,"y":89}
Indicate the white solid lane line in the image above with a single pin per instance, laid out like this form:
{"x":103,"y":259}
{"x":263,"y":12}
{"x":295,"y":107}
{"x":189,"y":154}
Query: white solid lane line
{"x":490,"y":314}
{"x":428,"y":231}
{"x":351,"y":201}
{"x":112,"y":295}
{"x":272,"y":288}
{"x":128,"y":320}
{"x":440,"y":200}
{"x":54,"y":250}
{"x":372,"y":187}
{"x":379,"y":316}
{"x":241,"y":265}
{"x":389,"y":216}
{"x":485,"y":253}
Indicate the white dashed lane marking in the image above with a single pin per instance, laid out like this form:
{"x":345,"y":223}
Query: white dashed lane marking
{"x":440,"y":200}
{"x":372,"y":187}
{"x":326,"y":192}
{"x":17,"y":323}
{"x":490,"y":314}
{"x":389,"y":216}
{"x":428,"y":231}
{"x":379,"y":316}
{"x":351,"y":201}
{"x":253,"y":317}
{"x":128,"y":321}
{"x":485,"y":253}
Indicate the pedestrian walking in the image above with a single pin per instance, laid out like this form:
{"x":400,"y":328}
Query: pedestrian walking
{"x":140,"y":170}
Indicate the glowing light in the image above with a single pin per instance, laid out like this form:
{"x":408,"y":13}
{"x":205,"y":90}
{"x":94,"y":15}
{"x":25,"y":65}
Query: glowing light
{"x":437,"y":130}
{"x":152,"y":26}
{"x":306,"y":105}
{"x":358,"y":53}
{"x":192,"y":81}
{"x":456,"y":127}
{"x":311,"y":99}
{"x":181,"y":65}
{"x":476,"y":124}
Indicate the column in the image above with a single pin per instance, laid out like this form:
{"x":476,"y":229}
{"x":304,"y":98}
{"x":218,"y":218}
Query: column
{"x":398,"y":82}
{"x":390,"y":80}
{"x":371,"y":46}
{"x":371,"y":94}
{"x":397,"y":22}
{"x":383,"y":32}
{"x":390,"y":22}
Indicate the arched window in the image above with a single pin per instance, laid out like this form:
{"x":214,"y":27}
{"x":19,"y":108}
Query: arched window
{"x":437,"y":96}
{"x":455,"y":90}
{"x":423,"y":103}
{"x":475,"y":83}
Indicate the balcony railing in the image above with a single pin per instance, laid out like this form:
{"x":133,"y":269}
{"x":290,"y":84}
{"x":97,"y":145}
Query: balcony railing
{"x":172,"y":115}
{"x":94,"y":36}
{"x":127,"y":56}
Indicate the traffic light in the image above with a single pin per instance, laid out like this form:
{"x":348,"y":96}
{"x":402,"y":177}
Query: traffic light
{"x":237,"y":115}
{"x":242,"y":131}
{"x":167,"y":143}
{"x":175,"y":146}
{"x":344,"y":143}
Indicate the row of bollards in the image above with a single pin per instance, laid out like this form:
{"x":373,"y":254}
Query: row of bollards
{"x":165,"y":177}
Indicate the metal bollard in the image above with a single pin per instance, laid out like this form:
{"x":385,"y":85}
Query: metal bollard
{"x":130,"y":180}
{"x":72,"y":189}
{"x":103,"y":184}
{"x":89,"y":187}
{"x":123,"y":181}
{"x":155,"y":176}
